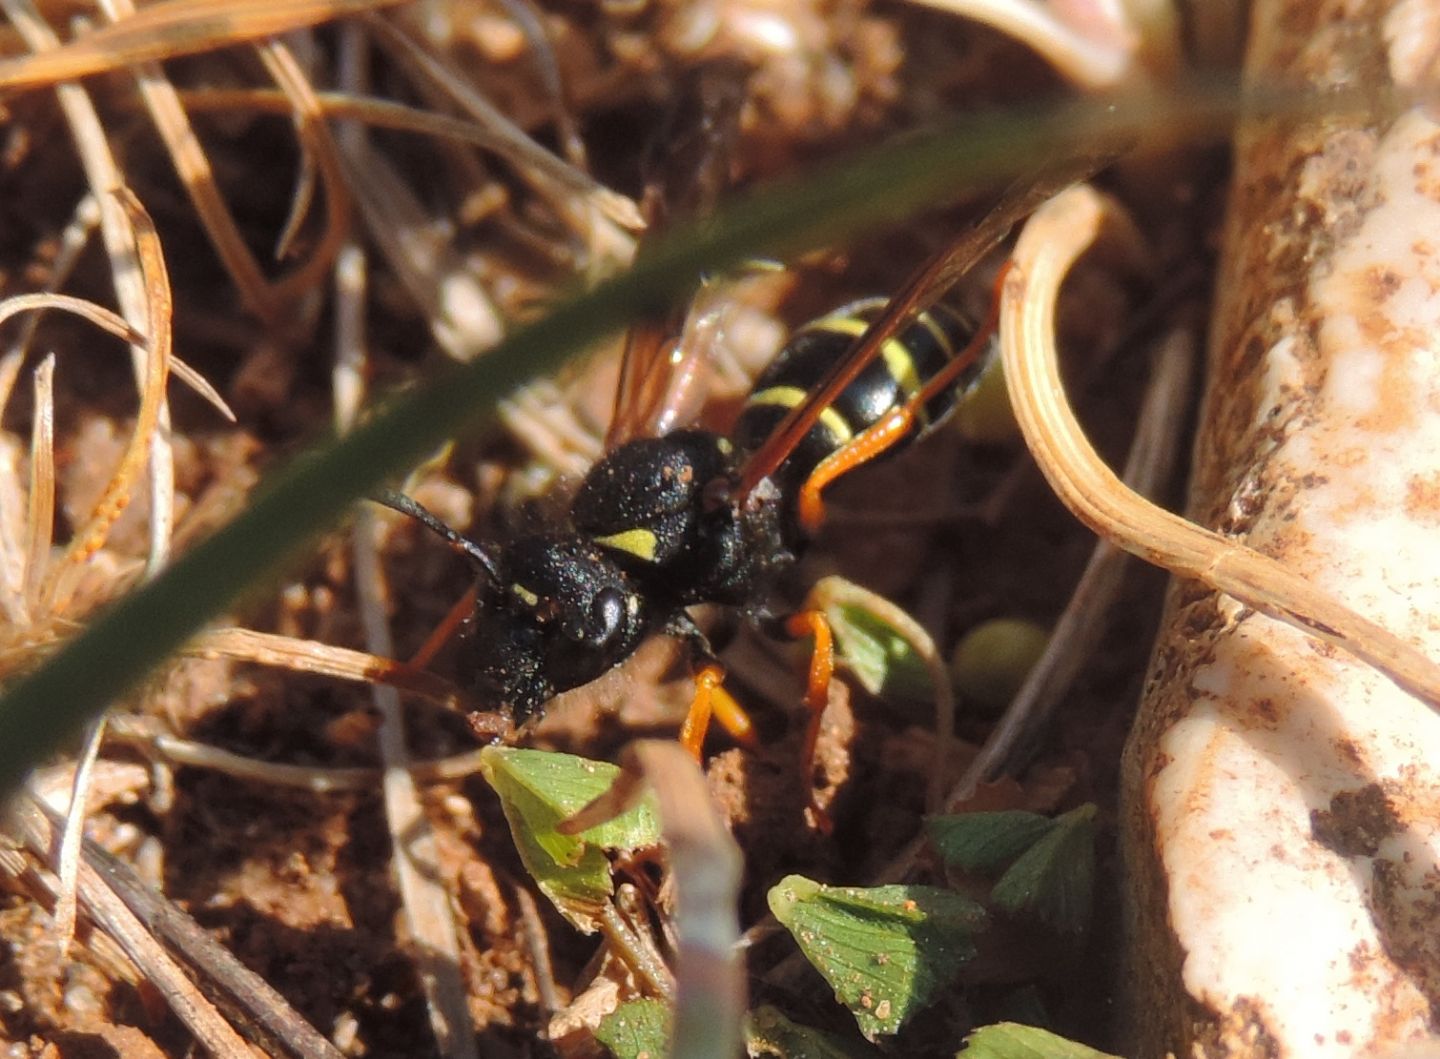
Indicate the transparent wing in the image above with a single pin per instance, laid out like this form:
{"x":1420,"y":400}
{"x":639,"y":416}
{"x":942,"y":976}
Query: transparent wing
{"x":666,"y":358}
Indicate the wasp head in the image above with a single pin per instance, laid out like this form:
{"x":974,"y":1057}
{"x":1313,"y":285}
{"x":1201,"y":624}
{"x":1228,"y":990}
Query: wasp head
{"x":559,"y":614}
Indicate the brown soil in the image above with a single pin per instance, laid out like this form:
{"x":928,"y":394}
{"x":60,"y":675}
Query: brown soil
{"x":299,"y":886}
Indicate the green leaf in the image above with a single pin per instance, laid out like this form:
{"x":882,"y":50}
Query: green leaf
{"x":984,"y":843}
{"x":638,"y":1029}
{"x":1054,"y":880}
{"x":882,"y":660}
{"x":1010,"y":1040}
{"x":537,"y":790}
{"x":769,"y":1033}
{"x":887,"y":950}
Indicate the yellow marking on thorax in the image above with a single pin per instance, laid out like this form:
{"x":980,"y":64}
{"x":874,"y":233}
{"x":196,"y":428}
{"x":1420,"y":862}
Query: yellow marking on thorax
{"x":524,"y":595}
{"x":640,"y":543}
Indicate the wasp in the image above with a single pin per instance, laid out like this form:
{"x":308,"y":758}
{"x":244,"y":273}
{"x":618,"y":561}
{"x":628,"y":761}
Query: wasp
{"x":692,"y":516}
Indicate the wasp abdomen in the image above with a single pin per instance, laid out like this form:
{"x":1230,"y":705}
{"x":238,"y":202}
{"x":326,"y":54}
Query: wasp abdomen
{"x":907,"y":359}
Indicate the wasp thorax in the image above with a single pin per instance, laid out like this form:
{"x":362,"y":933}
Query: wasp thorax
{"x":662,"y":507}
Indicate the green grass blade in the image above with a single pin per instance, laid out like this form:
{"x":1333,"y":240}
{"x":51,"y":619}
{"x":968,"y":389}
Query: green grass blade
{"x":121,"y":646}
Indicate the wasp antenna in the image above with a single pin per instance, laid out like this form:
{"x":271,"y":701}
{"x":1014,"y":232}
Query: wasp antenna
{"x":483,"y":560}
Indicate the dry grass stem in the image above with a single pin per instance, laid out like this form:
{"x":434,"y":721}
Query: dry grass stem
{"x":109,"y":912}
{"x":313,"y":778}
{"x":113,"y":323}
{"x":310,"y":656}
{"x":73,"y":240}
{"x":463,"y":320}
{"x":67,"y":856}
{"x":637,"y":951}
{"x":1078,"y":632}
{"x":537,"y":943}
{"x":141,"y":302}
{"x":40,"y":511}
{"x":1057,"y":234}
{"x":565,"y":181}
{"x":169,"y":29}
{"x":168,"y":115}
{"x":98,"y":315}
{"x":89,"y":538}
{"x":424,"y":893}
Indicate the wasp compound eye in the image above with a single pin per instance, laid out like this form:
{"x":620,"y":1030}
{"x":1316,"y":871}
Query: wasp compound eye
{"x":607,"y":613}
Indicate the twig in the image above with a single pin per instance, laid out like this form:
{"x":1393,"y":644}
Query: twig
{"x":133,"y":916}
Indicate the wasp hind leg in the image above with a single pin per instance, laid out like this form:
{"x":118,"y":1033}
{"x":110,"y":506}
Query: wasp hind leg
{"x":894,"y":426}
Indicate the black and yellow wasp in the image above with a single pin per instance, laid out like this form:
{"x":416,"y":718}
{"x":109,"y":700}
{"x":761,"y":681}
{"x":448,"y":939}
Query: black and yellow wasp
{"x":665,"y":522}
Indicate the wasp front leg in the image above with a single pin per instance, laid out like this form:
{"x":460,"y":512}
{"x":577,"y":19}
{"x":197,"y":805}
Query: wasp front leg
{"x":711,"y":700}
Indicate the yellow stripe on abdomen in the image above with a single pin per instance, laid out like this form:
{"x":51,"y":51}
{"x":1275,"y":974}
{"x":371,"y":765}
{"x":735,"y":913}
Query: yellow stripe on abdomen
{"x":898,"y":361}
{"x":791,"y":397}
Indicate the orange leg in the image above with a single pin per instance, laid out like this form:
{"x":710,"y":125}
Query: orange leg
{"x":697,"y":720}
{"x":885,"y":433}
{"x":711,"y":699}
{"x":446,"y":629}
{"x":864,"y":447}
{"x":817,"y":685}
{"x":733,"y":718}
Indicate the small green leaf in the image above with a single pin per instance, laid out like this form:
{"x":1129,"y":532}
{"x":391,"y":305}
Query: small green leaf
{"x":770,"y":1034}
{"x":638,"y":1029}
{"x":537,"y":790}
{"x":1054,"y":881}
{"x":882,"y":660}
{"x":1010,"y":1040}
{"x":985,"y":842}
{"x":887,"y":950}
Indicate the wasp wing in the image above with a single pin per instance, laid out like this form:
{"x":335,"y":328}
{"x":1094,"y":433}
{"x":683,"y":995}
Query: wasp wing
{"x":688,"y":166}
